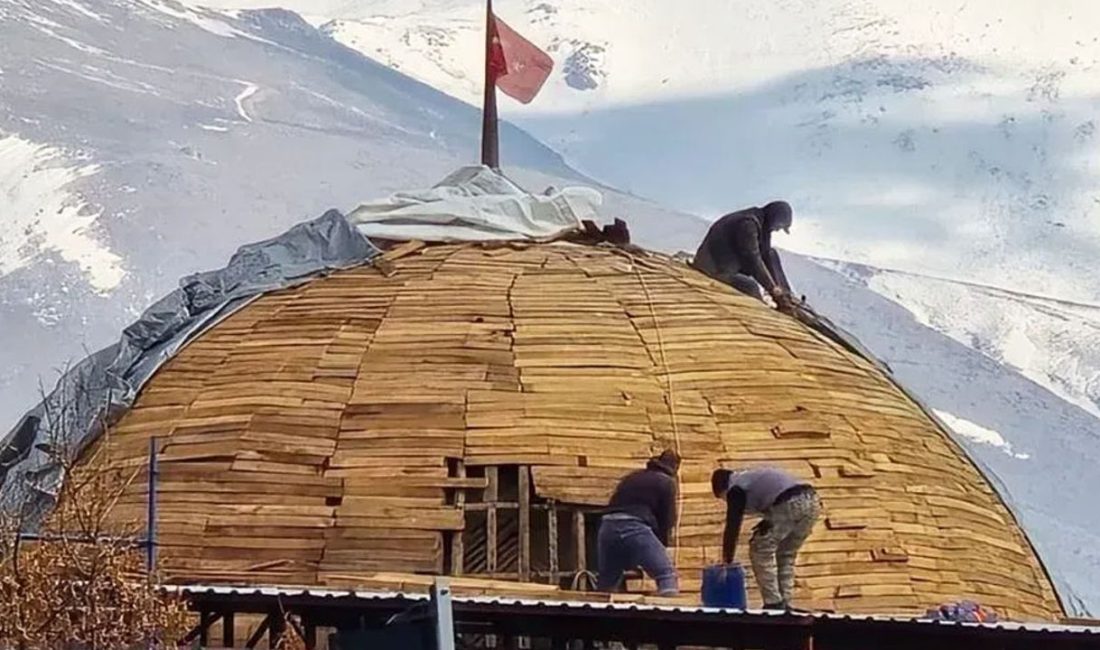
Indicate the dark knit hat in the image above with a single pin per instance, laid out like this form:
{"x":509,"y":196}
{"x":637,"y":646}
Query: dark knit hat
{"x":720,"y":481}
{"x":668,"y":462}
{"x":779,"y":215}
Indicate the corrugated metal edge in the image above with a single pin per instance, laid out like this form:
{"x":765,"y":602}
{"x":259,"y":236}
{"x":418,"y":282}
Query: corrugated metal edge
{"x":383,"y":595}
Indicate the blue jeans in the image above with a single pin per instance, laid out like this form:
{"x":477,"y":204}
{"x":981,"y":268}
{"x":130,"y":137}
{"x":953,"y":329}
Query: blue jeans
{"x":625,"y":542}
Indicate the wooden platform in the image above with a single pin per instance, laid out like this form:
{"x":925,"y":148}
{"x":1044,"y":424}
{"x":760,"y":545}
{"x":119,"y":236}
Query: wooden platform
{"x":359,"y":423}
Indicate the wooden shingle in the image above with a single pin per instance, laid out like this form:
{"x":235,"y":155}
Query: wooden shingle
{"x":319,"y":428}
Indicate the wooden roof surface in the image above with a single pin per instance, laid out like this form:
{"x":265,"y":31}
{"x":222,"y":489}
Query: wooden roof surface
{"x":306,"y":438}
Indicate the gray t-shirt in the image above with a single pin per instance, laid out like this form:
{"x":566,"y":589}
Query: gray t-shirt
{"x":762,"y":485}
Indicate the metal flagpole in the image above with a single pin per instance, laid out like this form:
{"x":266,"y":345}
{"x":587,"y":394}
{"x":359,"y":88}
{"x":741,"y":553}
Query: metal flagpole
{"x":490,"y":142}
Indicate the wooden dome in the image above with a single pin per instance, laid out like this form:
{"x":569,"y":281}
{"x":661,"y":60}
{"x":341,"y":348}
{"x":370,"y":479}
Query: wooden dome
{"x":462,"y":409}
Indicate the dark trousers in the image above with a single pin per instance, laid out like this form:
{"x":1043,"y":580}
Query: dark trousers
{"x":746,"y":284}
{"x":625,"y":542}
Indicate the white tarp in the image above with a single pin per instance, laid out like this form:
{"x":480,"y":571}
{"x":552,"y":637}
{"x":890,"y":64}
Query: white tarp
{"x":476,"y":204}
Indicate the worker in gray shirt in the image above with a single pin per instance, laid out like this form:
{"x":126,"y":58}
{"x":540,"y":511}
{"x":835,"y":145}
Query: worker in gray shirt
{"x":789,"y":506}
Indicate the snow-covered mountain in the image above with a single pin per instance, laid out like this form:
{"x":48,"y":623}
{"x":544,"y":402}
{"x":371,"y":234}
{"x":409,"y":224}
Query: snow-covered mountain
{"x":141,"y":140}
{"x":934,"y":138}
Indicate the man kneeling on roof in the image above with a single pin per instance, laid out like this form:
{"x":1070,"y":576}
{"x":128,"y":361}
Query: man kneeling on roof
{"x":790,"y":508}
{"x":738,"y":251}
{"x":635,"y":527}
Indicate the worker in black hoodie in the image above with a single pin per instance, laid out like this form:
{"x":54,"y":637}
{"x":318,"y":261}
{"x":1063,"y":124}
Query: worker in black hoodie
{"x":738,"y":250}
{"x":635,"y":528}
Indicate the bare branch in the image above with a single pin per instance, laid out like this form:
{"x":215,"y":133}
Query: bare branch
{"x":81,"y":579}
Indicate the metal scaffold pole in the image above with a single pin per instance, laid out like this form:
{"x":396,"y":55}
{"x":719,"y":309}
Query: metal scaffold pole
{"x":443,"y":615}
{"x":151,"y":515}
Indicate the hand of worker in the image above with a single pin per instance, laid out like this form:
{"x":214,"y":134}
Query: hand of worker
{"x":784,"y":302}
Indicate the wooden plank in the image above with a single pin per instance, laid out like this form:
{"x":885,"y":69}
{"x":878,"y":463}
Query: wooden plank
{"x":242,"y":465}
{"x":458,"y":549}
{"x":491,"y":493}
{"x":552,"y":536}
{"x":835,"y":522}
{"x":889,"y":554}
{"x":579,"y":534}
{"x":269,"y":387}
{"x":386,"y":519}
{"x":524,"y":523}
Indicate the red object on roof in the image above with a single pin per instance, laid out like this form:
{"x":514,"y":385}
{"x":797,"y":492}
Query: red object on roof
{"x":519,"y":68}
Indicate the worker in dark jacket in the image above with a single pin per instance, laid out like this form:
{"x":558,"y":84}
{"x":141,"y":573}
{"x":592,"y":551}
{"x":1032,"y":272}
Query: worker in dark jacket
{"x":635,"y":528}
{"x":738,"y":251}
{"x":790,"y":508}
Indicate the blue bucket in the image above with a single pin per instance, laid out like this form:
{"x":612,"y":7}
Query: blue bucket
{"x":724,"y":586}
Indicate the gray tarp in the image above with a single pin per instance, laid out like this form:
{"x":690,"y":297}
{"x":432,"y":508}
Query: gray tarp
{"x":474,"y":203}
{"x":104,"y":385}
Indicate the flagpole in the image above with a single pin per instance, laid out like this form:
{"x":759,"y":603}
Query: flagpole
{"x":490,"y":141}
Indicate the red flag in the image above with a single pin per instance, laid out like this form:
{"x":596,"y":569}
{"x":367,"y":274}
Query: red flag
{"x":518,"y":67}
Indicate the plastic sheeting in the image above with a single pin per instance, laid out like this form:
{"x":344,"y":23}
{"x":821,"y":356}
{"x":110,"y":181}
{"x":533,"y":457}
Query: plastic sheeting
{"x":476,"y":204}
{"x":472,"y":204}
{"x":104,"y":385}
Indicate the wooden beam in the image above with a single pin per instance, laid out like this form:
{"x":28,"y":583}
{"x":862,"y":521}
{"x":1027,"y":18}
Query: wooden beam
{"x":492,"y":474}
{"x":579,"y":537}
{"x":202,"y":630}
{"x":277,"y":629}
{"x":311,"y":635}
{"x":495,"y":505}
{"x":229,"y":625}
{"x":458,"y":549}
{"x":204,"y":633}
{"x":552,"y":536}
{"x":513,"y":576}
{"x":524,"y":523}
{"x":258,"y":634}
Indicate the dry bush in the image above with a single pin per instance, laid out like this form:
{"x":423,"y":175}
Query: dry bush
{"x":84,"y":584}
{"x":291,"y":639}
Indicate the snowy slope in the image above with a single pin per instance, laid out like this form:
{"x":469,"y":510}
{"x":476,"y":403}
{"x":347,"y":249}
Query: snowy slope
{"x":40,"y":213}
{"x":952,"y":140}
{"x":986,"y":115}
{"x":1055,"y":343}
{"x":142,"y":140}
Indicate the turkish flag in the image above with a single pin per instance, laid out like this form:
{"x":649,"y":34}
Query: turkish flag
{"x":518,"y":67}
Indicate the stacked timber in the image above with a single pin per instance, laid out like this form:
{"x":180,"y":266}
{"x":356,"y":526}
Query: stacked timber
{"x":463,"y":409}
